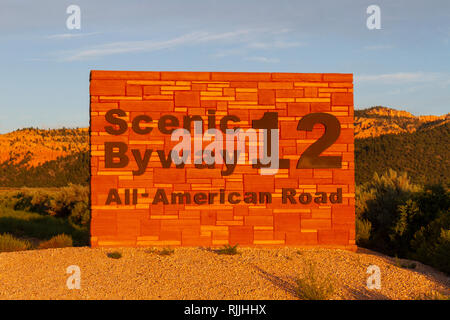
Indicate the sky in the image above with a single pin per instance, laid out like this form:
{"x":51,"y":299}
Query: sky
{"x":44,"y":66}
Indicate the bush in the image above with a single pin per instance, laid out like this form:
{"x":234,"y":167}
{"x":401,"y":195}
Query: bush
{"x":44,"y":213}
{"x":166,"y":252}
{"x":227,"y":249}
{"x":428,"y":231}
{"x":404,"y":264}
{"x":432,"y":249}
{"x":114,"y":255}
{"x":33,"y":225}
{"x":363,"y":228}
{"x":314,"y":286}
{"x":434,"y":295}
{"x":378,"y":201}
{"x":8,"y":243}
{"x":73,"y":168}
{"x":398,"y":218}
{"x":59,"y":241}
{"x":80,"y":214}
{"x":162,"y":252}
{"x":71,"y":201}
{"x":441,"y":255}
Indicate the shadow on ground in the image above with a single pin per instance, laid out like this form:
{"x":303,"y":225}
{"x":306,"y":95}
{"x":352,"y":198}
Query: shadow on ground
{"x":358,"y":294}
{"x":365,"y":294}
{"x":277,"y":281}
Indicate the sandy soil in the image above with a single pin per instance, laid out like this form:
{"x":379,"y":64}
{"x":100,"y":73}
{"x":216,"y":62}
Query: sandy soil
{"x":196,"y":273}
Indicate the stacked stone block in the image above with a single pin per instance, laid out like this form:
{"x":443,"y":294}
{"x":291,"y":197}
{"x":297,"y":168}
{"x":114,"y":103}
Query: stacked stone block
{"x":248,"y":96}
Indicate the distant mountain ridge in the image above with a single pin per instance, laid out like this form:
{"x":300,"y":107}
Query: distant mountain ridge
{"x":424,"y":155}
{"x":33,"y":147}
{"x":377,"y":121}
{"x":385,"y":138}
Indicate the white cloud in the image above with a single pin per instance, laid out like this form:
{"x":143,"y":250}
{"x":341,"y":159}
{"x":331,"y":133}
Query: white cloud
{"x":148,"y":45}
{"x":263,"y":59}
{"x":240,"y":36}
{"x":225,"y":35}
{"x":36,"y":59}
{"x":258,"y":45}
{"x":281,"y":31}
{"x":401,"y":77}
{"x":274,"y":45}
{"x":63,"y":36}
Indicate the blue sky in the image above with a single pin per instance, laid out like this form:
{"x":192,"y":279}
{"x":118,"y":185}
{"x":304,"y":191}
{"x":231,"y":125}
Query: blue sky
{"x":44,"y":67}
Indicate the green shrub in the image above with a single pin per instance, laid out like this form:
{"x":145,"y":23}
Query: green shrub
{"x":363,"y":228}
{"x":228,"y":249}
{"x":166,"y":252}
{"x":33,"y":225}
{"x":434,"y":295}
{"x":59,"y":241}
{"x":398,"y":218}
{"x":314,"y":286}
{"x":80,"y":214}
{"x":8,"y":243}
{"x":405,"y":265}
{"x":114,"y":255}
{"x":378,"y":201}
{"x":433,"y":250}
{"x":441,"y":255}
{"x":162,"y":252}
{"x":73,"y":168}
{"x":430,"y":229}
{"x":44,"y":213}
{"x":71,"y":201}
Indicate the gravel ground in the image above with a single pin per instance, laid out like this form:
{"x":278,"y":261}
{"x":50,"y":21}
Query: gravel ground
{"x":197,"y":273}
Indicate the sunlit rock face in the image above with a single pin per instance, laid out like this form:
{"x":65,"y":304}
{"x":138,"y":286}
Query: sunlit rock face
{"x":376,"y":121}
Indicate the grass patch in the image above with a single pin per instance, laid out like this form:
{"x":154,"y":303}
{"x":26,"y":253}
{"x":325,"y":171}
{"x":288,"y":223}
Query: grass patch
{"x":162,"y":252}
{"x":166,"y":252}
{"x":228,"y":249}
{"x":411,"y":265}
{"x":114,"y":255}
{"x":22,"y":224}
{"x":9,"y":243}
{"x":314,"y":286}
{"x":434,"y":295}
{"x":59,"y":241}
{"x":404,"y":265}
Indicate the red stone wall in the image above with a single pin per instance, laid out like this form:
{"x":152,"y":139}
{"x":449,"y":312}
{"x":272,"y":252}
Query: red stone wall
{"x":248,"y":96}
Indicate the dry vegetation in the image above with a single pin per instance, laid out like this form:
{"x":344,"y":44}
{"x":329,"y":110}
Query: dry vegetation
{"x":201,"y":273}
{"x":377,"y":121}
{"x":40,"y":145}
{"x":42,"y":218}
{"x":44,"y":145}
